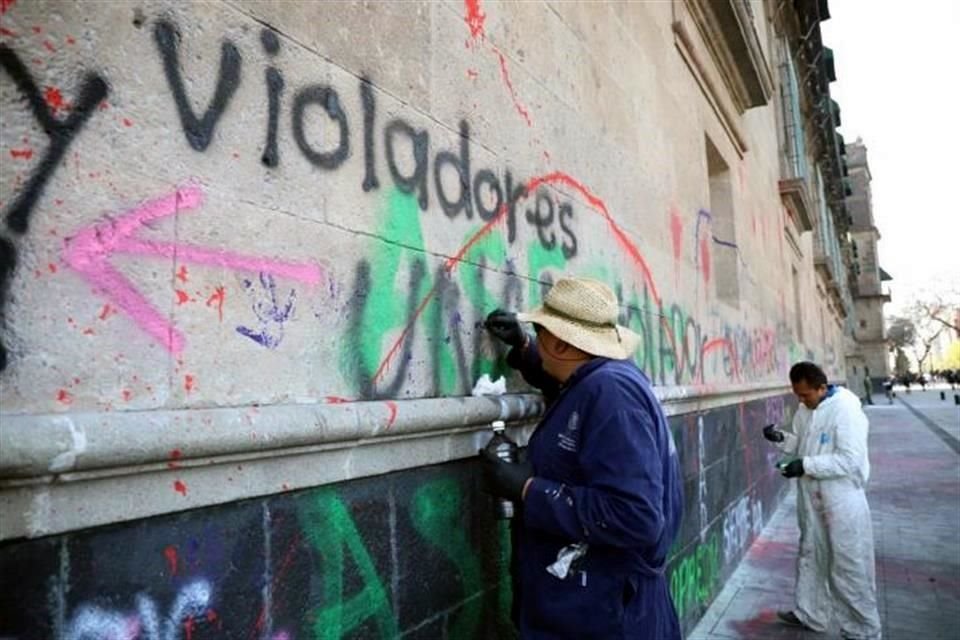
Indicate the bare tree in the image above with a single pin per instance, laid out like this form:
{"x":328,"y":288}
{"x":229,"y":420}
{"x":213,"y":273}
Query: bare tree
{"x":943,"y":309}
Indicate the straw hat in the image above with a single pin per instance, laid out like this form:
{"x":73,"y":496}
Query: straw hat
{"x":583,"y":313}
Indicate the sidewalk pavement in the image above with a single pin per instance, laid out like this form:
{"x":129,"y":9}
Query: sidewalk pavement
{"x":914,"y":495}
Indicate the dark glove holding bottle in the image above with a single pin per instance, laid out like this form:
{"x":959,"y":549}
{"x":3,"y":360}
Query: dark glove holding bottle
{"x":771,"y":433}
{"x":793,"y":469}
{"x":504,"y":325}
{"x":504,"y":479}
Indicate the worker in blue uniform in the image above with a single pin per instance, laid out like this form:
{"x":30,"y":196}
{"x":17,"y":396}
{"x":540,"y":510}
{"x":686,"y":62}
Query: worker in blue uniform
{"x":600,"y":494}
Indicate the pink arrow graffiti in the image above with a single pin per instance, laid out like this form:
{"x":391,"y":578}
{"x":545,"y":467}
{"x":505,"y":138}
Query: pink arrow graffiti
{"x":88,"y":253}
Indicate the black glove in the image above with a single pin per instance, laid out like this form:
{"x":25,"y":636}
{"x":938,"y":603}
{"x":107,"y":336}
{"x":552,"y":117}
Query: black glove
{"x":771,"y":433}
{"x":504,"y":479}
{"x":793,"y":469}
{"x":504,"y":325}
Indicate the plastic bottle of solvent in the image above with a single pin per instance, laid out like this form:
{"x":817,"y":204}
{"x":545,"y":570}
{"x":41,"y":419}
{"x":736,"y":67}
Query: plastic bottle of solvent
{"x":506,"y":449}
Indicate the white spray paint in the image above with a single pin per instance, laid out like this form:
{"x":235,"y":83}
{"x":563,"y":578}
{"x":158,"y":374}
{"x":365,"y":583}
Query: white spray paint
{"x":702,"y":482}
{"x":67,"y":460}
{"x":91,"y":622}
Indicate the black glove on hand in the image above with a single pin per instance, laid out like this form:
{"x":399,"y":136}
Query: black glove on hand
{"x":794,"y":469}
{"x":771,"y":433}
{"x":504,"y":325}
{"x":504,"y":479}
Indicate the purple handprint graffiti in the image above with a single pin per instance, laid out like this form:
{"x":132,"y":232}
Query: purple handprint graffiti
{"x":270,"y":313}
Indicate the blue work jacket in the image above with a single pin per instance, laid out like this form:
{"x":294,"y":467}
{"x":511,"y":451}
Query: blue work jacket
{"x":606,"y":474}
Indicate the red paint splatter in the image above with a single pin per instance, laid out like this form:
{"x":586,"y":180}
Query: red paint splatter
{"x":182,"y":297}
{"x":180,"y":488}
{"x":676,"y":232}
{"x":127,"y":122}
{"x":71,"y":40}
{"x":37,"y":30}
{"x":58,"y":202}
{"x":127,"y":394}
{"x":393,"y":412}
{"x":52,"y":267}
{"x":26,"y":154}
{"x":188,"y":627}
{"x":336,"y":400}
{"x":88,"y":331}
{"x":182,"y":273}
{"x":188,"y":381}
{"x":54,"y":99}
{"x":211,"y":616}
{"x":705,"y":258}
{"x":106,"y":311}
{"x":5,"y":5}
{"x":175,"y":454}
{"x":472,"y":74}
{"x":474,"y":19}
{"x":505,"y":73}
{"x":104,"y":105}
{"x":217,"y":298}
{"x":49,"y":46}
{"x":64,"y":397}
{"x":6,"y":32}
{"x":170,"y":553}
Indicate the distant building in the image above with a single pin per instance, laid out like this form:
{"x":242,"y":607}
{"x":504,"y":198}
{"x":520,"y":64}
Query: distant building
{"x":868,"y":356}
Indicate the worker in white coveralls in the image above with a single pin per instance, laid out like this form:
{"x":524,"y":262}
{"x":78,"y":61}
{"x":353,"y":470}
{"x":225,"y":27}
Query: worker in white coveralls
{"x":827,"y":453}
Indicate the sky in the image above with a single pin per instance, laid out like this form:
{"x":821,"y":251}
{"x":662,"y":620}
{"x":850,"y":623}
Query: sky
{"x":898,"y":86}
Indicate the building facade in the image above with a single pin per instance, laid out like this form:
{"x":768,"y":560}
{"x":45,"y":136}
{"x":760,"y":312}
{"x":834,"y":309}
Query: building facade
{"x":871,"y":351}
{"x":247,"y":250}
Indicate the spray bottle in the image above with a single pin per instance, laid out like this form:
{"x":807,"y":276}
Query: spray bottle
{"x":506,"y":449}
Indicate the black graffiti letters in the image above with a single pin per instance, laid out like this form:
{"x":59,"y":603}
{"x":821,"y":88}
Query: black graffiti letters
{"x":541,"y":217}
{"x":419,"y":144}
{"x":198,"y":131}
{"x":271,"y":44}
{"x":460,"y":187}
{"x":61,"y":132}
{"x":8,"y":261}
{"x":461,"y":165}
{"x":370,"y":181}
{"x":330,"y":101}
{"x":570,"y":243}
{"x":486,"y":182}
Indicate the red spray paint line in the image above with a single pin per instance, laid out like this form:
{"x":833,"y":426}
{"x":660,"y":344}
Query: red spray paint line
{"x":555,"y":178}
{"x":180,"y":488}
{"x":505,"y":73}
{"x":106,"y":312}
{"x":676,"y":232}
{"x":474,"y":19}
{"x":705,"y":258}
{"x":277,"y":577}
{"x":217,"y":298}
{"x":393,"y":412}
{"x":336,"y":400}
{"x":170,"y":553}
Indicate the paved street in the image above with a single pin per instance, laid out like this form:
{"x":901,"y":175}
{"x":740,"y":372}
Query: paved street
{"x":914,"y":495}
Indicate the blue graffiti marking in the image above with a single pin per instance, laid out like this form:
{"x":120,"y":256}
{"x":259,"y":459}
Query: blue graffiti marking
{"x":269,"y":312}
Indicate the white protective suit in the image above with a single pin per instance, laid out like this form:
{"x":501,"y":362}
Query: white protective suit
{"x":836,"y":534}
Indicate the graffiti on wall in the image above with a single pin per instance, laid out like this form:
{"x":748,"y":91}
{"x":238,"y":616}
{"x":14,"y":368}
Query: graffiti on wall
{"x":375,"y":557}
{"x":678,"y":346}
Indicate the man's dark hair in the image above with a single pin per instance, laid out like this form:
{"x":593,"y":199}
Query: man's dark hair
{"x":809,"y":373}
